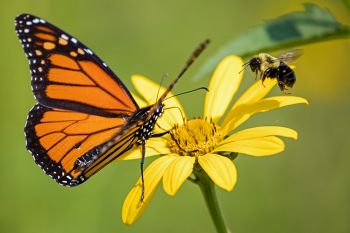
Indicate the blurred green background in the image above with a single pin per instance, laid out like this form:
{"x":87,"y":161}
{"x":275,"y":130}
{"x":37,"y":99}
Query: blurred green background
{"x":304,"y":189}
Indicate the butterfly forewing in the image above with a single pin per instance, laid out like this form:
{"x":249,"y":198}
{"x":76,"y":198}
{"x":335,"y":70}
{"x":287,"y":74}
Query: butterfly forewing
{"x":68,"y":75}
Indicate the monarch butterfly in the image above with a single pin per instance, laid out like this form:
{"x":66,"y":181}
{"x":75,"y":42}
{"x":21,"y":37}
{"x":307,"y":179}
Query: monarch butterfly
{"x":85,"y":116}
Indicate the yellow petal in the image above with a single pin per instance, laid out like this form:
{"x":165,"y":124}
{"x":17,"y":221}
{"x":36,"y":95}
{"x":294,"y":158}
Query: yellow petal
{"x":244,"y":112}
{"x":220,"y":169}
{"x":254,"y":93}
{"x":134,"y":153}
{"x":139,"y":101}
{"x":158,"y":145}
{"x":149,"y":89}
{"x":132,"y":207}
{"x":262,"y":131}
{"x":256,"y":147}
{"x":177,"y":172}
{"x":154,"y":146}
{"x":223,"y":85}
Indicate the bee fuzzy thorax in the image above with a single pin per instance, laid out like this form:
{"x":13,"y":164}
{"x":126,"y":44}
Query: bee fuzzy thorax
{"x":268,"y":61}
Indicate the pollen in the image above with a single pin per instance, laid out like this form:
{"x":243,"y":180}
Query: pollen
{"x":195,"y":137}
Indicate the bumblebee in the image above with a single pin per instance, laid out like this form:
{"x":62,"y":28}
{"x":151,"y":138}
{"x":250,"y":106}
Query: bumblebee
{"x":275,"y":67}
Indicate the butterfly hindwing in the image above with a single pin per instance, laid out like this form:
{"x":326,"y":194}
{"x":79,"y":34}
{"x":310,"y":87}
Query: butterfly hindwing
{"x":68,"y":75}
{"x":62,"y":141}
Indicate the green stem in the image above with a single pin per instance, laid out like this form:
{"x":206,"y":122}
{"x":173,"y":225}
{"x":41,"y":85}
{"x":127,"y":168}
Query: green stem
{"x":208,"y":190}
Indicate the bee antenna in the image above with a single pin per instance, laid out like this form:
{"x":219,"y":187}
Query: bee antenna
{"x":244,"y":66}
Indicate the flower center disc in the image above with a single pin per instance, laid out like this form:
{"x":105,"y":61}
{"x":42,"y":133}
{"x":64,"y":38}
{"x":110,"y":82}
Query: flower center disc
{"x":195,"y":137}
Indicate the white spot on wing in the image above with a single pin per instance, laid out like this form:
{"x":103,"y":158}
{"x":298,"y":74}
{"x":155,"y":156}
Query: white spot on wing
{"x":64,"y":36}
{"x":74,"y":40}
{"x":88,"y":51}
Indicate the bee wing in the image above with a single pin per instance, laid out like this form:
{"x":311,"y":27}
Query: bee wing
{"x":290,"y":56}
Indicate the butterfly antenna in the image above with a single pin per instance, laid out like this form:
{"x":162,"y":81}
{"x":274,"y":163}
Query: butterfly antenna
{"x":188,"y":63}
{"x":160,"y":84}
{"x":186,"y":92}
{"x":193,"y":57}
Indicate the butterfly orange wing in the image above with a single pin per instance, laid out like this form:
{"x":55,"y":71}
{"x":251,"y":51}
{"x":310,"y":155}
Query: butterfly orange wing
{"x":65,"y":143}
{"x":81,"y":121}
{"x":68,"y":75}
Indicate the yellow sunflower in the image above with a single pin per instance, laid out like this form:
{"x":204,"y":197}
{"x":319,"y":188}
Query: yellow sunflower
{"x":206,"y":143}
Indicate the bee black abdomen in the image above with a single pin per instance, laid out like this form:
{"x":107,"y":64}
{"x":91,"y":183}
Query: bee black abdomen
{"x":271,"y":72}
{"x":286,"y":75}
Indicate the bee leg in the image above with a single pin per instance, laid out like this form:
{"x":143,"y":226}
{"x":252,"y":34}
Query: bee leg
{"x":286,"y":92}
{"x":281,"y":86}
{"x":264,"y":76}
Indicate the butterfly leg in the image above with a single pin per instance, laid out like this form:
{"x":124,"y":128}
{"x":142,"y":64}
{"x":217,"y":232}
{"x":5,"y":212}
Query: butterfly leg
{"x":172,"y":136}
{"x":142,"y":163}
{"x":157,"y":135}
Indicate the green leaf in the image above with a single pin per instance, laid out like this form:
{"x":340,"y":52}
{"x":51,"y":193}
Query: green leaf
{"x":314,"y":24}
